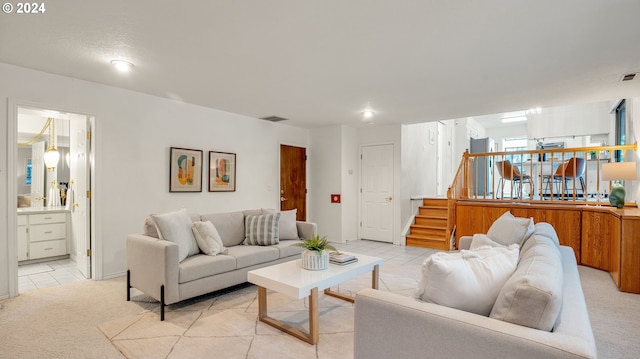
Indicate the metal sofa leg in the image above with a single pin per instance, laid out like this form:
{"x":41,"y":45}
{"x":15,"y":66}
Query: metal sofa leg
{"x":128,"y":285}
{"x":162,"y":302}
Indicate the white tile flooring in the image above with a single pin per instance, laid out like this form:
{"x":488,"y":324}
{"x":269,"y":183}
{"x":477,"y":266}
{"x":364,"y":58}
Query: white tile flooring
{"x":392,"y":254}
{"x":47,"y":274}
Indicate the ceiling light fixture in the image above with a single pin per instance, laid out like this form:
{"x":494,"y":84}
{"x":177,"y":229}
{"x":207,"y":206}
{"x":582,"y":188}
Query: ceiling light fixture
{"x":122,"y":65}
{"x":51,"y":155}
{"x":368,"y":113}
{"x":514,"y":119}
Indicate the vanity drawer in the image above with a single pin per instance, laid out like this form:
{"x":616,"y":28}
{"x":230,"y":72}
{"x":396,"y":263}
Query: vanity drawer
{"x":22,"y":220}
{"x":47,"y":249}
{"x":46,"y":232}
{"x":47,"y":218}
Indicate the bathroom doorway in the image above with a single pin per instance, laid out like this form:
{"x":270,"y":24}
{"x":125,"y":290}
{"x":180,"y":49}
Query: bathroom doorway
{"x":53,"y":215}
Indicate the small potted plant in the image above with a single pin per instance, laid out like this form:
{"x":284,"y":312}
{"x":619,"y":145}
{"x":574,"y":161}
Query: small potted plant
{"x":315,"y":257}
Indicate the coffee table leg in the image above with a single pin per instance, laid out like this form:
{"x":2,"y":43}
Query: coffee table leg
{"x":314,"y":325}
{"x":311,"y":337}
{"x":375,"y":276}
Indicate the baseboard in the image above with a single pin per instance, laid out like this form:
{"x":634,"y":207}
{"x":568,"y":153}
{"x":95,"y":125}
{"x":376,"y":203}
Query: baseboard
{"x":114,"y":275}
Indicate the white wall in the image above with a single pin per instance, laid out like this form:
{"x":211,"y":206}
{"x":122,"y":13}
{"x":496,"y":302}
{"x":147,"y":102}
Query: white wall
{"x":325,"y":162}
{"x":134,"y":132}
{"x":350,"y":183}
{"x":573,"y":120}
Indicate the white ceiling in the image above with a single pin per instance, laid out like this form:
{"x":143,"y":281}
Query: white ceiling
{"x":321,"y":62}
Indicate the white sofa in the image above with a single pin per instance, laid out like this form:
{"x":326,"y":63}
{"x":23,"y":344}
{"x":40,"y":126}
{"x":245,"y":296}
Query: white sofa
{"x":389,"y":325}
{"x":153,"y":264}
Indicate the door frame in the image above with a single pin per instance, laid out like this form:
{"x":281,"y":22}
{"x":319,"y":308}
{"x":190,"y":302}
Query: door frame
{"x":12,"y":191}
{"x":306,"y":148}
{"x":396,"y":196}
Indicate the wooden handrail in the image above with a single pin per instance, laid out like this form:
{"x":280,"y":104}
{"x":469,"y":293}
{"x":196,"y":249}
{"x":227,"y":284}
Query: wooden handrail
{"x":462,"y":185}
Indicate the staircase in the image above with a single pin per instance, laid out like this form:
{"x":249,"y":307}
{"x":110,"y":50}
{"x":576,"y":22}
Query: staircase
{"x":430,"y":228}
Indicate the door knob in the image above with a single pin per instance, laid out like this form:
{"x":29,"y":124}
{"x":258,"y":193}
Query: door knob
{"x":388,"y":199}
{"x":282,"y":199}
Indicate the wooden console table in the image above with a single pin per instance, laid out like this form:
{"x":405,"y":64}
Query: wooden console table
{"x":601,"y":237}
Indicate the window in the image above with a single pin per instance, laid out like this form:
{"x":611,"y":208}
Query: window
{"x":621,"y":114}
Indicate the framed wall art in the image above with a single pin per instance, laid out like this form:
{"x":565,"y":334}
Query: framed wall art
{"x":222,"y":171}
{"x":185,"y":170}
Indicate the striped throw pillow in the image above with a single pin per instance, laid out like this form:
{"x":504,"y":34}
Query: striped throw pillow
{"x":261,"y":230}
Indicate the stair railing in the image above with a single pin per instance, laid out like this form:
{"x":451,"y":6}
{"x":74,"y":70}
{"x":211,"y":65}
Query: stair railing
{"x":542,"y":175}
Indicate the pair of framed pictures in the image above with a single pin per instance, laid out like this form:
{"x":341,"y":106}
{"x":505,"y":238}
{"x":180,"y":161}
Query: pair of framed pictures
{"x":185,"y":171}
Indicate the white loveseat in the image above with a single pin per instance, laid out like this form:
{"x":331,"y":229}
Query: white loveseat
{"x":153,"y":264}
{"x":389,"y":325}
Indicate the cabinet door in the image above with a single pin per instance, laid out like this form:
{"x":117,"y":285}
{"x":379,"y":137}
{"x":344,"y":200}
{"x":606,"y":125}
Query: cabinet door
{"x":599,"y":230}
{"x":23,"y":243}
{"x":468,"y":220}
{"x":630,"y":256}
{"x":567,"y":224}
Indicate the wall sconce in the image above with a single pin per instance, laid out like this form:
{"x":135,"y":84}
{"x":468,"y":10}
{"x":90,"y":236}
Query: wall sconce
{"x":51,"y":155}
{"x":618,"y":171}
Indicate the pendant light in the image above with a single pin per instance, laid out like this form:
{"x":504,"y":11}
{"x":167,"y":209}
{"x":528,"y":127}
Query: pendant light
{"x":51,"y":155}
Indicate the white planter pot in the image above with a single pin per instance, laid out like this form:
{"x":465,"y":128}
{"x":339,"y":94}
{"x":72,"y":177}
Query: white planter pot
{"x":311,"y":260}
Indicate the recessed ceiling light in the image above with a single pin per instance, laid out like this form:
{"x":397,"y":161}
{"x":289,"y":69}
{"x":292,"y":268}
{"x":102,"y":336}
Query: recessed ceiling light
{"x":368,"y":113}
{"x":122,"y":65}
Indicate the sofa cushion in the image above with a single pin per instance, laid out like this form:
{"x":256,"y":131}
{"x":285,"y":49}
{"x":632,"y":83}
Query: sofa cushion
{"x":287,"y":249}
{"x":532,"y":297}
{"x":247,"y":256}
{"x":262,"y":230}
{"x":176,"y":227}
{"x":230,"y":226}
{"x":467,"y":280}
{"x":508,"y":229}
{"x":151,"y":230}
{"x":208,"y":238}
{"x":201,"y":266}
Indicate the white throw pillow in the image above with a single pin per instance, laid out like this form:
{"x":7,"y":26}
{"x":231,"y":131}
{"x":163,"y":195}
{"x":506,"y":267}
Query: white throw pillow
{"x":287,"y":226}
{"x":176,"y":227}
{"x":482,"y":240}
{"x":508,"y":229}
{"x":261,"y":230}
{"x":208,"y":238}
{"x":467,"y":280}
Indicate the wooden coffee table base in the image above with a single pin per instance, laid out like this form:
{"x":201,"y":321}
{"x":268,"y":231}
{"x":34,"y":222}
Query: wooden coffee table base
{"x":313,"y":335}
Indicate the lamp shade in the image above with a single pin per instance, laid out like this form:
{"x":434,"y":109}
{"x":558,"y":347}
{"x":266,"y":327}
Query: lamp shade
{"x":619,"y":171}
{"x":51,"y":157}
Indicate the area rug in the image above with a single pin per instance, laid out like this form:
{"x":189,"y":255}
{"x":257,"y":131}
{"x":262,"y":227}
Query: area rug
{"x":224,"y":324}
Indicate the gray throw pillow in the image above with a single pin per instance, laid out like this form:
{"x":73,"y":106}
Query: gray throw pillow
{"x":262,"y":230}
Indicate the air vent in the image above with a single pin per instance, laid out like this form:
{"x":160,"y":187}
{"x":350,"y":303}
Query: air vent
{"x":273,"y":118}
{"x":629,"y":77}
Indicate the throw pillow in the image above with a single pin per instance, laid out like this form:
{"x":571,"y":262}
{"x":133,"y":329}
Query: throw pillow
{"x":508,"y":229}
{"x":287,"y":226}
{"x":482,"y":240}
{"x":176,"y":227}
{"x":261,"y":230}
{"x":208,"y":238}
{"x":467,"y":280}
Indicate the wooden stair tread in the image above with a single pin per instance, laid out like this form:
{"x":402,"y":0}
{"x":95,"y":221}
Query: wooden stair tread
{"x":431,"y":216}
{"x":426,"y":226}
{"x":427,"y":237}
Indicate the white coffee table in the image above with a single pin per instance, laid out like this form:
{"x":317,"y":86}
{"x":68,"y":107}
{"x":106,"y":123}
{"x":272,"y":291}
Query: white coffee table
{"x":289,"y":278}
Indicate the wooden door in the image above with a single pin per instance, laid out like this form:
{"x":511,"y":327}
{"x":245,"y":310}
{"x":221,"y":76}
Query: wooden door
{"x":377,"y":193}
{"x":293,"y":180}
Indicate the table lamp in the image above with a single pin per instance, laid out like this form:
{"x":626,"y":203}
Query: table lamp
{"x":618,"y":171}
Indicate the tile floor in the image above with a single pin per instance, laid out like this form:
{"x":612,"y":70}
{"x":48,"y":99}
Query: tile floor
{"x":392,"y":254}
{"x":47,"y":274}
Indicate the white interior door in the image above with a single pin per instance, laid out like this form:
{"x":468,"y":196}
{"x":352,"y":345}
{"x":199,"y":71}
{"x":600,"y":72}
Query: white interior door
{"x":79,"y":179}
{"x":377,"y":193}
{"x":37,"y":174}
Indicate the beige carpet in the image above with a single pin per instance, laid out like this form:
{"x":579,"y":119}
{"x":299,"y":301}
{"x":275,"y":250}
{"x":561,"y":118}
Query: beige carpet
{"x":78,"y":320}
